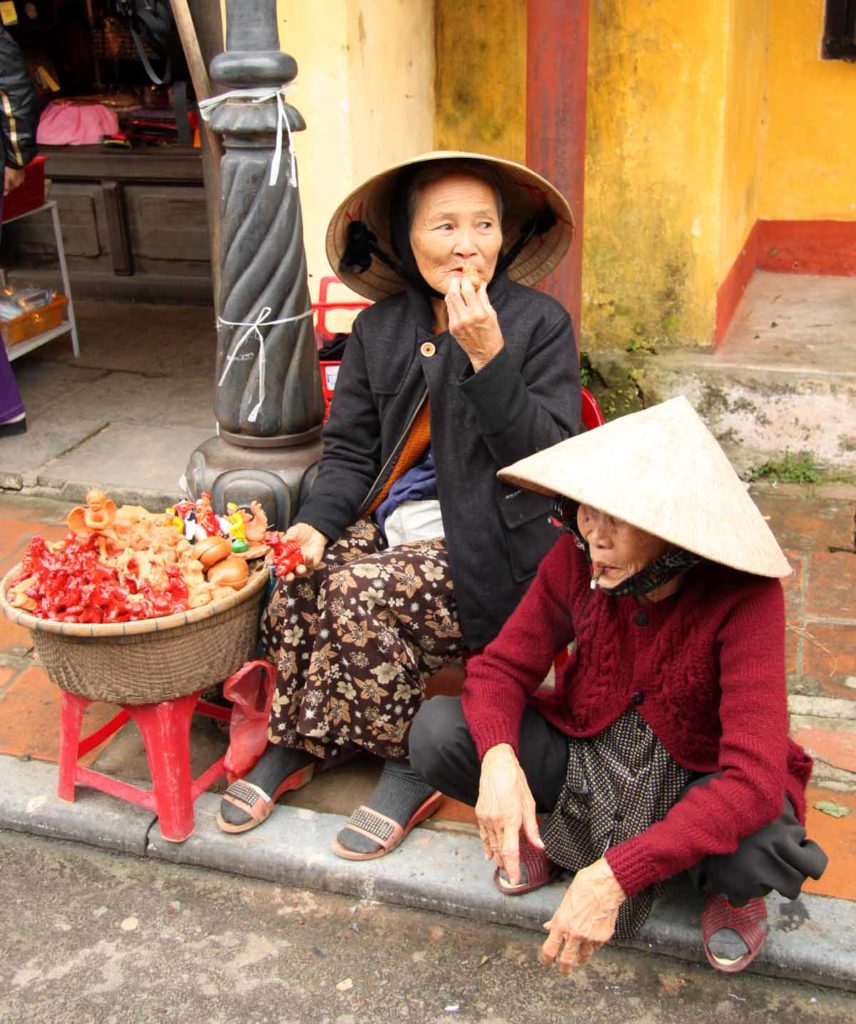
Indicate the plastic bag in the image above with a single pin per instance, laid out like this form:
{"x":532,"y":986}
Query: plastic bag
{"x":251,"y":691}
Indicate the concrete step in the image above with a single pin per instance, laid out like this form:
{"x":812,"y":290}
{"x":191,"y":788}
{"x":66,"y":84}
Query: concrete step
{"x":783,"y":380}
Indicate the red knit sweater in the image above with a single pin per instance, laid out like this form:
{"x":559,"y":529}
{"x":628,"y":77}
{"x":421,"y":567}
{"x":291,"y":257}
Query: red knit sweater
{"x":704,"y":667}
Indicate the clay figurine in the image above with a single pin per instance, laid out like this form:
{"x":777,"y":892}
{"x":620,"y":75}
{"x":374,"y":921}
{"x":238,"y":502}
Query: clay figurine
{"x":96,"y":518}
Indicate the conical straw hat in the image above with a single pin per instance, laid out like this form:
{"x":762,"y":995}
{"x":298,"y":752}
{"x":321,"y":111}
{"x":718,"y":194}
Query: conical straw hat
{"x":662,"y":471}
{"x":524,"y":193}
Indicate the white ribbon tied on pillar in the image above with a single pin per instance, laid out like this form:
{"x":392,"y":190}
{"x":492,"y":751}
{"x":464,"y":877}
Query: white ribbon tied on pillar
{"x":260,"y":95}
{"x":254,"y":329}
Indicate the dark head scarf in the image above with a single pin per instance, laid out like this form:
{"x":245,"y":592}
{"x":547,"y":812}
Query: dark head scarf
{"x":399,"y":230}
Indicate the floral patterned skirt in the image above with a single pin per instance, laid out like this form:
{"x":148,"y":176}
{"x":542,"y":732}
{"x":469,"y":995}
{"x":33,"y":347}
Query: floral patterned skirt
{"x":354,"y":642}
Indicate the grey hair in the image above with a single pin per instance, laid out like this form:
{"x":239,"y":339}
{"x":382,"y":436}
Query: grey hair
{"x":431,"y":173}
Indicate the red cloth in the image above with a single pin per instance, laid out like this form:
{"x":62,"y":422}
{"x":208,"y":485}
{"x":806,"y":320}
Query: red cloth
{"x":65,"y":124}
{"x":707,"y":670}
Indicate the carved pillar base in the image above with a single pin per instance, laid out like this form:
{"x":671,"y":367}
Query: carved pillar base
{"x":278,"y":478}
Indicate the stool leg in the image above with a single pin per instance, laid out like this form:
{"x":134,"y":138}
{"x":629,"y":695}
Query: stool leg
{"x":70,"y":722}
{"x":165,"y":728}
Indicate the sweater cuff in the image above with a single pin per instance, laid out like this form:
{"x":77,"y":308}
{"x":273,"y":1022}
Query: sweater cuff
{"x":492,"y":735}
{"x":496,"y":393}
{"x":629,"y":868}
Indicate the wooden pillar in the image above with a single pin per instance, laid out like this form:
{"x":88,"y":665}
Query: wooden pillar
{"x":556,"y":80}
{"x":201,"y":31}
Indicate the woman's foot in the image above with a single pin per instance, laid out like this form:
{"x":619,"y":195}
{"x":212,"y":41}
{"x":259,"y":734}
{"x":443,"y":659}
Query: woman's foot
{"x":536,"y":870}
{"x":249,"y":801}
{"x":732,"y":936}
{"x":399,"y":801}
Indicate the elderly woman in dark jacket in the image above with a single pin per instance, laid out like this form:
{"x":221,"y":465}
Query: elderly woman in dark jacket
{"x":416,"y":551}
{"x":664,"y":746}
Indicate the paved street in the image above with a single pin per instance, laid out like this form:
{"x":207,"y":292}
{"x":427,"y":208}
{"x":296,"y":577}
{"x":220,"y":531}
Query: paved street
{"x":92,"y":937}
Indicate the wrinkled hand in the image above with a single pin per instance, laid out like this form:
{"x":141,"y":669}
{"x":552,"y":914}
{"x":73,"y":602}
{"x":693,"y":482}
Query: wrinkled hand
{"x":505,"y":807}
{"x":12,"y":178}
{"x":585,"y":919}
{"x":312,"y":544}
{"x":473,"y":322}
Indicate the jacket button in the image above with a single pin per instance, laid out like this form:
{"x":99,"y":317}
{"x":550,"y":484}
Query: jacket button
{"x":428,"y":349}
{"x":641,"y":619}
{"x":637,"y":698}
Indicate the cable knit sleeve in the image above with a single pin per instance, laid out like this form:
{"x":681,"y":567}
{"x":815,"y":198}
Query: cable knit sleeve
{"x":514,"y":665}
{"x":749,"y":793}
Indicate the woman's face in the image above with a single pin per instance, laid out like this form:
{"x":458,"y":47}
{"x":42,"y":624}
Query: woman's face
{"x":455,"y":224}
{"x":617,"y":549}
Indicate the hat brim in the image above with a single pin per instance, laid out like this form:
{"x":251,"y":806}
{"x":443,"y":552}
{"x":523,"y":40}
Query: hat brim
{"x":524,"y":193}
{"x":662,"y":471}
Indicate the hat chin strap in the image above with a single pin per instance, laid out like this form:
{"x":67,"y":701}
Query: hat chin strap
{"x":536,"y":226}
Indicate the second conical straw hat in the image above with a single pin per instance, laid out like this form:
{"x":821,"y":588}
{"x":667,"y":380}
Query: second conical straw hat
{"x":664,"y":472}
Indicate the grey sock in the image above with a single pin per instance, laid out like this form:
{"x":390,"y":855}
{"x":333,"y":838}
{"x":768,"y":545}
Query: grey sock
{"x":398,"y":794}
{"x":275,"y":764}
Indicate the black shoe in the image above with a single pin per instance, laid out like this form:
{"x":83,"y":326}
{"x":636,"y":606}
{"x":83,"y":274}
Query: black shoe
{"x":12,"y":427}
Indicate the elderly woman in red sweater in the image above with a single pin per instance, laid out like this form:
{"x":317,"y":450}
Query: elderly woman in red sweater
{"x":663,"y":746}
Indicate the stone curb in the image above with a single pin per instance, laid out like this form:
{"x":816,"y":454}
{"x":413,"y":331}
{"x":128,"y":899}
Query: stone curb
{"x":28,"y":803}
{"x":812,"y":940}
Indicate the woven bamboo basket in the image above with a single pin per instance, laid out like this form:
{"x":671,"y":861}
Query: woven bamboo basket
{"x":151,"y":660}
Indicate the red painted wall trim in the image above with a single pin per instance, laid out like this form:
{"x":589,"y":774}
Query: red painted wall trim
{"x":556,"y":78}
{"x":786,"y":247}
{"x":808,"y":246}
{"x":729,"y":292}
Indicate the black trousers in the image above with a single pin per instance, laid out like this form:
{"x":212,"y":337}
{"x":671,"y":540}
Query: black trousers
{"x":442,"y":752}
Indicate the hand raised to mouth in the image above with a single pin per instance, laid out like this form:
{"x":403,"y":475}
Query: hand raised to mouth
{"x":473,"y":321}
{"x":472,"y":275}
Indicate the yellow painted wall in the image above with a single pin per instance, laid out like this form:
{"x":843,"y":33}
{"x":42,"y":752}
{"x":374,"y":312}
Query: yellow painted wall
{"x":653,"y":168}
{"x":391,"y":72}
{"x":654,"y":154}
{"x":696,"y":127}
{"x":365,"y":86}
{"x":810,"y":151}
{"x":481,"y":77}
{"x":744,"y":126}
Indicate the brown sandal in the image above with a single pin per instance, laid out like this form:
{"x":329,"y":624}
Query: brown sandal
{"x":383,"y":830}
{"x":252,"y":799}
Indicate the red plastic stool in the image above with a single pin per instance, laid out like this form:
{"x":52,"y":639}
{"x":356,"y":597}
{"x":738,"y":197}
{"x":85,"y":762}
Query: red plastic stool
{"x":165,"y":729}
